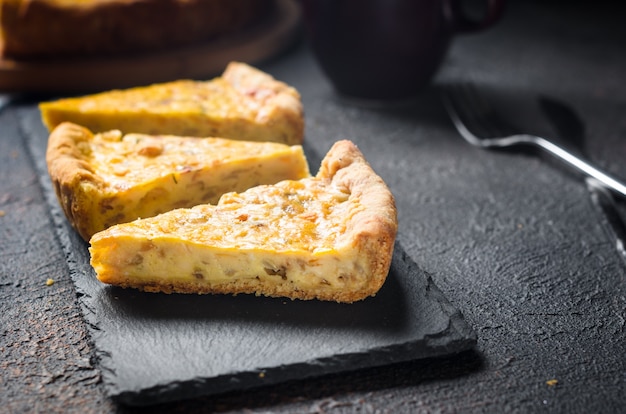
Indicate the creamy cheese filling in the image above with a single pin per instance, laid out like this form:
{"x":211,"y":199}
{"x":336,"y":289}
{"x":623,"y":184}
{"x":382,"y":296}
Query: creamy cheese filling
{"x":215,"y":98}
{"x":126,"y":160}
{"x":304,"y":215}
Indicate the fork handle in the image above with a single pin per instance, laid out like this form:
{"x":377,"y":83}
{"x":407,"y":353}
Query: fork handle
{"x":582,"y":166}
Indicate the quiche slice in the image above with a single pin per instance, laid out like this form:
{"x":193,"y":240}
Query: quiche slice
{"x":244,"y":103}
{"x":327,"y":237}
{"x":109,"y":178}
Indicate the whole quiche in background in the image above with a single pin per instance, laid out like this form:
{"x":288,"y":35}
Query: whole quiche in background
{"x":39,"y":29}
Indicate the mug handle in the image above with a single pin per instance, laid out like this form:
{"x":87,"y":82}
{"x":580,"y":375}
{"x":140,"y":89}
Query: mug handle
{"x":461,"y":23}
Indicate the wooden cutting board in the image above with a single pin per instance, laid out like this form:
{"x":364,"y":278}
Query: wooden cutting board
{"x":202,"y":61}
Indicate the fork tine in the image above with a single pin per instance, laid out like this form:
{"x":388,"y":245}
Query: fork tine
{"x":493,"y":122}
{"x":456,"y":105}
{"x":476,"y":112}
{"x":481,"y":110}
{"x":478,"y":107}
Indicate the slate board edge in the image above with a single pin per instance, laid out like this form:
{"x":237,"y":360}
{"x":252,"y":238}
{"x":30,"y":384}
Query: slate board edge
{"x":241,"y":381}
{"x":464,"y":336}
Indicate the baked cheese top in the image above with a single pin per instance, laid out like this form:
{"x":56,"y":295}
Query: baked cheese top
{"x":216,"y":98}
{"x":308,"y":215}
{"x":122,"y":161}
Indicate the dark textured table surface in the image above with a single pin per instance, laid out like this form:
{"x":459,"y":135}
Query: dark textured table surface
{"x":513,"y":240}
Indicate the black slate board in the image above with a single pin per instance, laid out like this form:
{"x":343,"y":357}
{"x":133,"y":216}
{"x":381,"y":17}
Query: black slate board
{"x":154,"y":348}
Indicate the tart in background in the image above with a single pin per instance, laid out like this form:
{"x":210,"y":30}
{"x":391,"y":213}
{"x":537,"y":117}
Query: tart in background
{"x":41,"y":29}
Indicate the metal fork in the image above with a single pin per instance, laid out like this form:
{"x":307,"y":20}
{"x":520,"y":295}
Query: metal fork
{"x":468,"y":110}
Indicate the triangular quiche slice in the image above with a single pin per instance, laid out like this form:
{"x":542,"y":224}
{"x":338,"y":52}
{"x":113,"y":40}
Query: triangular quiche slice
{"x":244,"y":103}
{"x":109,"y":178}
{"x":327,"y":237}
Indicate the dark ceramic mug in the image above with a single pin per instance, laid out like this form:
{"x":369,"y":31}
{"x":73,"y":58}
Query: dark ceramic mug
{"x":386,"y":49}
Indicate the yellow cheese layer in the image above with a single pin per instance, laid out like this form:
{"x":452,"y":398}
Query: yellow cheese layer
{"x":289,"y":216}
{"x":263,"y":110}
{"x":129,"y":160}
